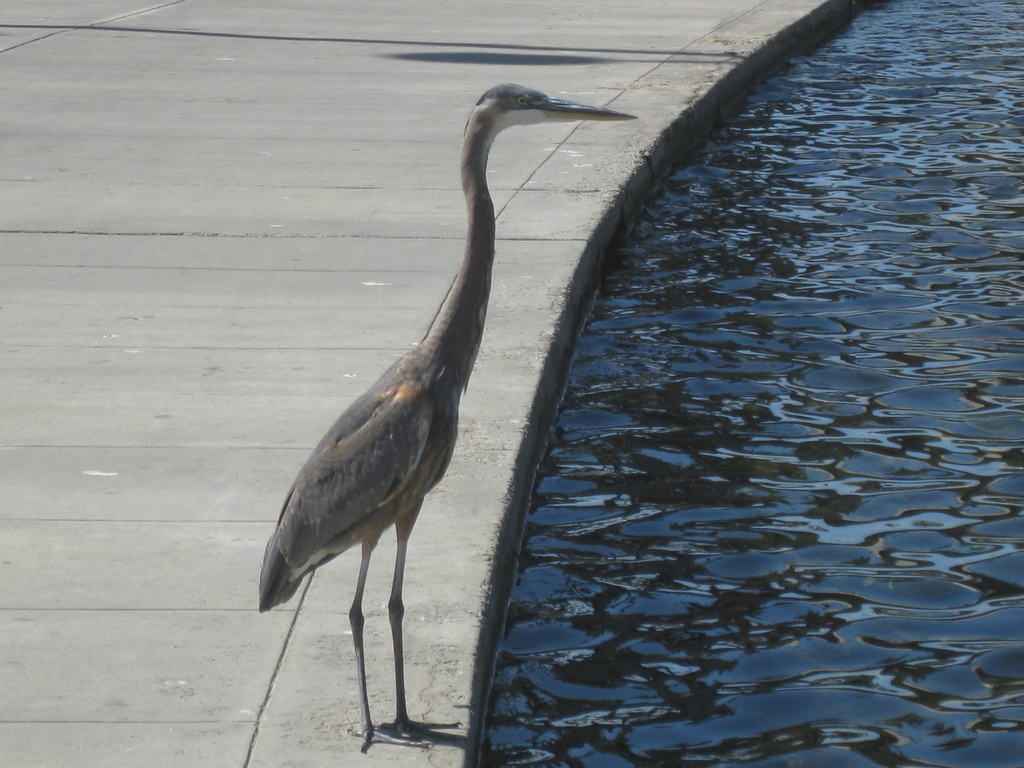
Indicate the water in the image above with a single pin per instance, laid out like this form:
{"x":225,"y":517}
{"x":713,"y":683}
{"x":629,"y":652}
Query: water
{"x":780,"y":523}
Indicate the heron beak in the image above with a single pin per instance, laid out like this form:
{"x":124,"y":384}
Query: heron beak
{"x":560,"y":109}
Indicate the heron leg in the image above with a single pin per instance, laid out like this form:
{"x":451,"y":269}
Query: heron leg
{"x":355,"y":617}
{"x":396,"y":613}
{"x":405,"y":730}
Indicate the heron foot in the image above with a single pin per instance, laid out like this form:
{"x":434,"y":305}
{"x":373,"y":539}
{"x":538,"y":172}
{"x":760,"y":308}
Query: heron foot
{"x":403,"y":736}
{"x":408,"y":733}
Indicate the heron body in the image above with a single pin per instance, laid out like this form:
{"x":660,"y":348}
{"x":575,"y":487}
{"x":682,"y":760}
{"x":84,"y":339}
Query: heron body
{"x":374,"y":466}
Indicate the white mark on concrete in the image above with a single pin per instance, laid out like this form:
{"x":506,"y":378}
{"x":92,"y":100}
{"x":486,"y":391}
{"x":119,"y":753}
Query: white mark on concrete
{"x":98,"y":473}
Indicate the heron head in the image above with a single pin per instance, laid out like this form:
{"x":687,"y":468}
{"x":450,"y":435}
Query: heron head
{"x":518,"y":105}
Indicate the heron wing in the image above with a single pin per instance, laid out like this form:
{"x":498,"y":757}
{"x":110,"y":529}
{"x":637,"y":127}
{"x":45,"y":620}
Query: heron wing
{"x":354,"y":472}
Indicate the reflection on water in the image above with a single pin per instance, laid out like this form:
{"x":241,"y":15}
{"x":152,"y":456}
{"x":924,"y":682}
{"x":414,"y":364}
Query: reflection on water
{"x":780,"y":524}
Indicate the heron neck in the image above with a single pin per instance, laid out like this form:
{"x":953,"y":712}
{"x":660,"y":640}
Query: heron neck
{"x":458,"y":327}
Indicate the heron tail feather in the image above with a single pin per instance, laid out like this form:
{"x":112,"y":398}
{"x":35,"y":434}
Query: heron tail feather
{"x":278,"y":581}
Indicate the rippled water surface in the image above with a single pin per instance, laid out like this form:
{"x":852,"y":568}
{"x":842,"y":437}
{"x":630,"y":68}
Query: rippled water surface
{"x":780,"y":523}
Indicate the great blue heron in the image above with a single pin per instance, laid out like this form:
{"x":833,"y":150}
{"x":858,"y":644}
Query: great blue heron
{"x":392,"y":445}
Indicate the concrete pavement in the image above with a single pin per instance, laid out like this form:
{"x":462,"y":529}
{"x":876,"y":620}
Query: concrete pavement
{"x":219,"y":222}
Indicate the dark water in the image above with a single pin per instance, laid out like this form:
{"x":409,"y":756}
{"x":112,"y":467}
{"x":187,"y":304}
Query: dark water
{"x":780,"y":523}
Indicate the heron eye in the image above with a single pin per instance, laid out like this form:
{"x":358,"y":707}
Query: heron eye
{"x":521,"y":101}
